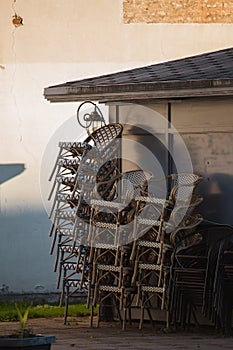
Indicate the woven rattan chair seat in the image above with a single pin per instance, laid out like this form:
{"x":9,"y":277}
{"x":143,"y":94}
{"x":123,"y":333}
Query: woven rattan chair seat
{"x":105,"y":225}
{"x":65,"y":214}
{"x":112,"y":268}
{"x":108,"y":204}
{"x":152,"y":289}
{"x":112,"y":289}
{"x":149,"y":222}
{"x":106,"y":246}
{"x":149,"y":267}
{"x":149,"y":244}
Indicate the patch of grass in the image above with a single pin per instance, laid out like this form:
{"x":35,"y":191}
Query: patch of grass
{"x":9,"y":313}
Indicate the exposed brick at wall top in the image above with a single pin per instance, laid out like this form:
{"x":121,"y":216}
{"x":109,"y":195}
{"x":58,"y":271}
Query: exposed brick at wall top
{"x":178,"y":11}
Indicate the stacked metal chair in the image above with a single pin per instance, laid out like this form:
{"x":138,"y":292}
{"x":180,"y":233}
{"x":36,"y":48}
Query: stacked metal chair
{"x":188,"y":272}
{"x":70,"y":259}
{"x":110,"y":242}
{"x":77,"y":166}
{"x":200,"y":278}
{"x":148,"y":254}
{"x":61,"y":213}
{"x":201,"y":274}
{"x":223,"y":285}
{"x":114,"y":238}
{"x":151,"y":254}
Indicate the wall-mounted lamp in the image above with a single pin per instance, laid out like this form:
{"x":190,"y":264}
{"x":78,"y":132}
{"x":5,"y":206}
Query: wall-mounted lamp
{"x":91,"y":121}
{"x":17,"y":20}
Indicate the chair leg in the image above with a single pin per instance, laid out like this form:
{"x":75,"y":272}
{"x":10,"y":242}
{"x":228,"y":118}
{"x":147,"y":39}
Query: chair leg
{"x":141,"y":316}
{"x":130,"y":315}
{"x":168,"y":320}
{"x":54,"y":238}
{"x":139,"y":297}
{"x":57,"y":257}
{"x":98,"y":316}
{"x":118,"y":313}
{"x":124,"y":319}
{"x":62,"y":294}
{"x":150,"y":316}
{"x":60,"y":274}
{"x":52,"y":228}
{"x":135,"y":272}
{"x":132,"y":255}
{"x":91,"y":316}
{"x":66,"y":305}
{"x":89,"y":295}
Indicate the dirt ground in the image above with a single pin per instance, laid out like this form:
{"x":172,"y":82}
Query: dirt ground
{"x":77,"y":335}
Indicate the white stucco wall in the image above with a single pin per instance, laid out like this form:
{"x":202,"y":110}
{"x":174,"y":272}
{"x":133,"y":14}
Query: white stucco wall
{"x":61,"y":41}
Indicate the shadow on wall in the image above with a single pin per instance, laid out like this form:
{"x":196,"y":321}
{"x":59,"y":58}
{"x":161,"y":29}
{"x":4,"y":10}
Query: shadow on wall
{"x":26,"y":265}
{"x":152,"y":156}
{"x":8,"y":171}
{"x":217,"y":192}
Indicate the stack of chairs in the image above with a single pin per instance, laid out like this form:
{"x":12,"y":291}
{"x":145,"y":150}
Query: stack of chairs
{"x":110,"y":242}
{"x":188,"y":272}
{"x":222,"y":303}
{"x":201,"y":275}
{"x":76,"y":172}
{"x":115,"y":240}
{"x":152,"y":249}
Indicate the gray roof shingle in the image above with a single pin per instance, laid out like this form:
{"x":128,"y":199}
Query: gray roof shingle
{"x":210,"y":66}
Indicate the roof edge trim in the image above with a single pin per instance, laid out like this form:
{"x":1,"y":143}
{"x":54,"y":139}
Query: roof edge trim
{"x":155,"y":90}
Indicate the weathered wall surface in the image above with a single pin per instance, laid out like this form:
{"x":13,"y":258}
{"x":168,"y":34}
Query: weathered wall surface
{"x":63,"y":40}
{"x":178,"y":11}
{"x":207,"y":140}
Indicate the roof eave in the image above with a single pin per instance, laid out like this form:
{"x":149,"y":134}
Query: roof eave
{"x":140,"y":91}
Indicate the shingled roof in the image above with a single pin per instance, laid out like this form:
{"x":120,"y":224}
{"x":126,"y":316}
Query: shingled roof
{"x":208,"y":74}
